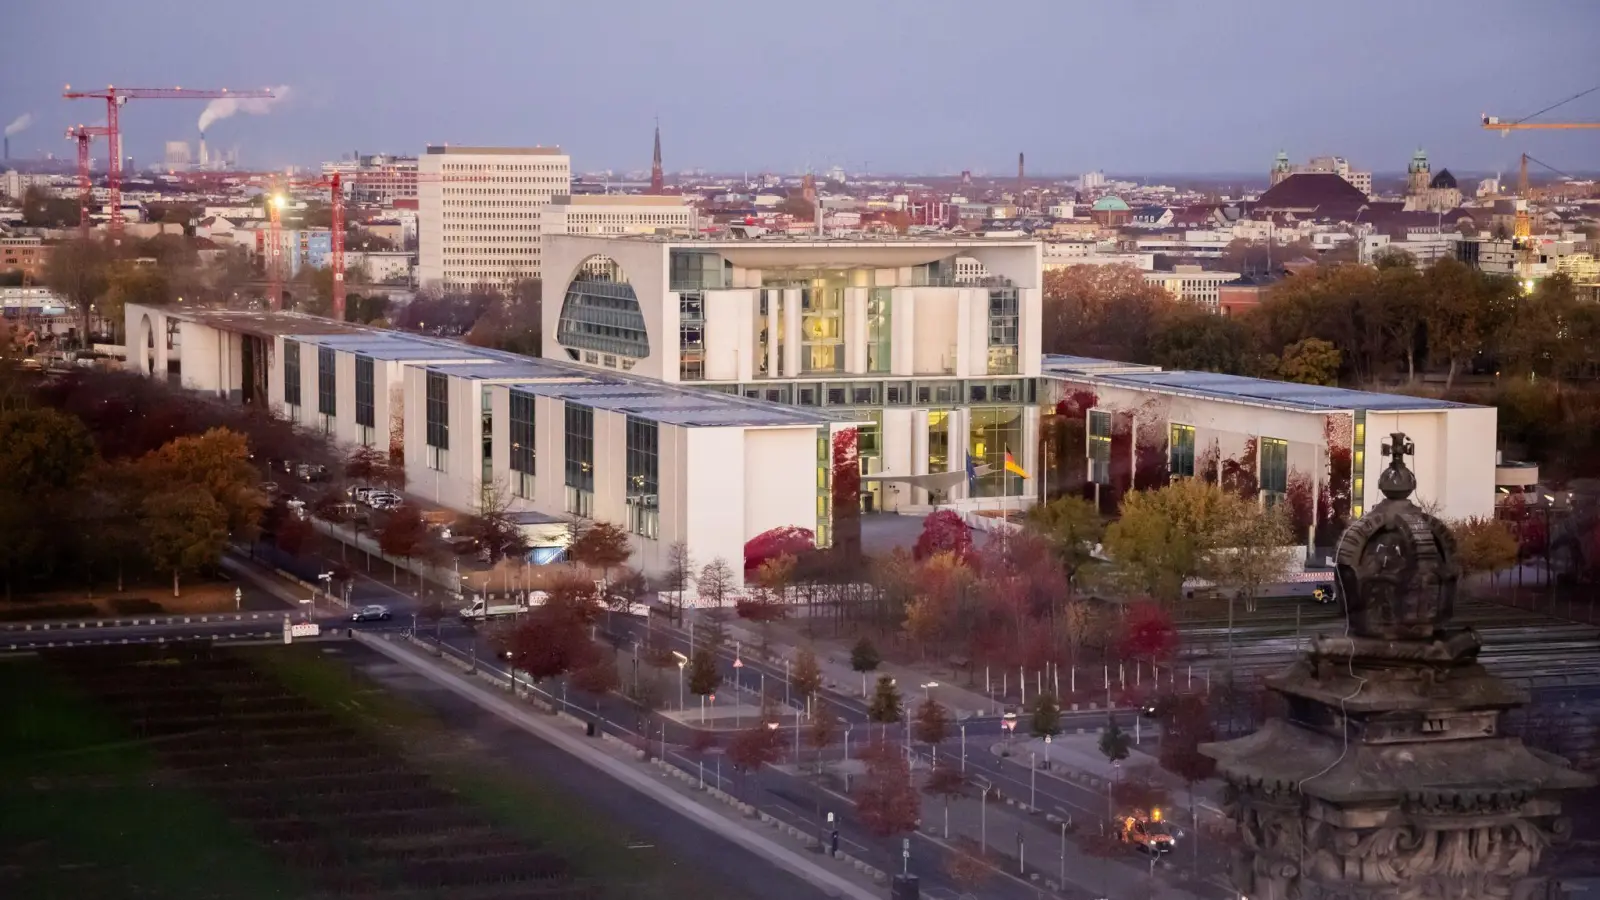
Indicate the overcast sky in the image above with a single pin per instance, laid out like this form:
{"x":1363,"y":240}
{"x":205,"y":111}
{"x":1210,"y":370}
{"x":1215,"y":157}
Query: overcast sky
{"x":1145,"y":86}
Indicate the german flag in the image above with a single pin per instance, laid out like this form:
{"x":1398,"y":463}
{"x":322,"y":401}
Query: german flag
{"x":1012,"y":467}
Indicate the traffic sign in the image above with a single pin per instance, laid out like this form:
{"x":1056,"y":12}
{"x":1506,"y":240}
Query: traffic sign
{"x":738,"y":663}
{"x":830,"y":818}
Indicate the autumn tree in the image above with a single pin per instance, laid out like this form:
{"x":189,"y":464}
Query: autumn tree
{"x":1310,"y":361}
{"x":755,"y":747}
{"x":945,"y":782}
{"x":598,"y":677}
{"x":703,"y":675}
{"x":185,"y":529}
{"x":1252,"y":550}
{"x":965,"y":870}
{"x":45,"y":458}
{"x":602,"y":546}
{"x":785,"y":540}
{"x":715,"y":582}
{"x":1163,"y":536}
{"x":552,"y":639}
{"x":78,"y":271}
{"x":806,"y":678}
{"x":1190,"y":337}
{"x":1484,"y":544}
{"x":1114,"y":742}
{"x":931,"y":723}
{"x":887,"y":800}
{"x":1072,"y":526}
{"x":885,"y":708}
{"x":1462,"y":310}
{"x":1147,"y":633}
{"x":1185,"y":725}
{"x":1109,"y":312}
{"x":403,"y":532}
{"x":943,"y":531}
{"x":218,"y":462}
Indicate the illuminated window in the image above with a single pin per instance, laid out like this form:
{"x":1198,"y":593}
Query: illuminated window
{"x":1181,"y":451}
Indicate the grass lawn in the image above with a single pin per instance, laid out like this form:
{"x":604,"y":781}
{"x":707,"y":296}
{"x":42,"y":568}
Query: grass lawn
{"x":85,"y":812}
{"x":541,"y":811}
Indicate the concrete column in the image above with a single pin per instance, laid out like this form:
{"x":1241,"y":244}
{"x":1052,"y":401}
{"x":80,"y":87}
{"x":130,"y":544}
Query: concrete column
{"x":919,"y":453}
{"x":1028,"y":453}
{"x":855,"y":330}
{"x":774,"y":318}
{"x":966,"y":341}
{"x":903,"y":331}
{"x":792,"y":335}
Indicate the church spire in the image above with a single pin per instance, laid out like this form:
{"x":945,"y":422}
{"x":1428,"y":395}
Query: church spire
{"x":657,"y":179}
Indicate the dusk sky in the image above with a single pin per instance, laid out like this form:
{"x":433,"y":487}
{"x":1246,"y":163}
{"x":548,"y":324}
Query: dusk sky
{"x":1164,"y":86}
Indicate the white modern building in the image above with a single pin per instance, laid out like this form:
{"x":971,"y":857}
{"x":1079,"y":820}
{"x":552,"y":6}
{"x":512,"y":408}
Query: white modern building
{"x":938,"y":367}
{"x":1143,"y":425}
{"x":551,"y":440}
{"x":1192,"y":284}
{"x":614,"y":214}
{"x":480,"y":212}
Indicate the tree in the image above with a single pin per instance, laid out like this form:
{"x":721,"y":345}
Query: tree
{"x":806,"y":679}
{"x":755,"y":747}
{"x":42,"y":450}
{"x":185,"y":529}
{"x":786,"y":540}
{"x":1462,"y":308}
{"x":598,"y":678}
{"x":967,"y":871}
{"x":932,"y":722}
{"x":494,"y":532}
{"x":1163,"y":535}
{"x":553,"y":639}
{"x":943,"y":531}
{"x":885,"y":708}
{"x":946,"y":782}
{"x":1310,"y":361}
{"x":44,"y":208}
{"x":864,"y":658}
{"x":1185,"y":725}
{"x":887,"y":801}
{"x":715,"y":582}
{"x":1190,"y":337}
{"x":1252,"y":549}
{"x":703,"y":675}
{"x":1073,"y":527}
{"x":1484,"y":545}
{"x":78,"y":271}
{"x":1101,"y":311}
{"x":291,"y":533}
{"x":1046,"y":715}
{"x":1114,"y":742}
{"x":217,"y":461}
{"x":603,"y":546}
{"x":1147,"y":633}
{"x":403,"y":532}
{"x":821,"y":732}
{"x":680,"y":572}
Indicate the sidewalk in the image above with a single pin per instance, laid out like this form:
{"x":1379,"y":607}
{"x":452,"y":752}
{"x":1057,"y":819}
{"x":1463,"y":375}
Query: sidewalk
{"x":623,"y":762}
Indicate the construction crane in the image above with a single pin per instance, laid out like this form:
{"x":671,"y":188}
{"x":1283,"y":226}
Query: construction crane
{"x":83,"y":134}
{"x":1522,"y":231}
{"x":1494,"y":123}
{"x":115,"y":97}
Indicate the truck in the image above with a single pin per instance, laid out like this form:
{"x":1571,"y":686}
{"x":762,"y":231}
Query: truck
{"x":481,"y":609}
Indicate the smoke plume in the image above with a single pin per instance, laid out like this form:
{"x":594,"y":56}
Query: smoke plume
{"x":226,"y":107}
{"x":19,"y":124}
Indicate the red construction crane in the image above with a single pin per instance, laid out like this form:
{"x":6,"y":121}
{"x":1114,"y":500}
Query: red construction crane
{"x":83,"y":134}
{"x":114,"y":98}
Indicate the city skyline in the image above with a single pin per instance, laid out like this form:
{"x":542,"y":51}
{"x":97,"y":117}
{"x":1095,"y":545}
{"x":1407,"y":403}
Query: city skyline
{"x":1077,"y":87}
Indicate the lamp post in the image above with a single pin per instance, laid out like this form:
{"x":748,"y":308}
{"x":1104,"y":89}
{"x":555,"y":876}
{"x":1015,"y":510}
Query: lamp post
{"x":963,"y":748}
{"x":327,"y":586}
{"x":682,"y":661}
{"x":925,"y":687}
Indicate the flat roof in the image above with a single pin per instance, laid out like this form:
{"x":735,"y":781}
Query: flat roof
{"x":813,"y":240}
{"x":262,"y":323}
{"x":1241,"y":389}
{"x":445,"y":149}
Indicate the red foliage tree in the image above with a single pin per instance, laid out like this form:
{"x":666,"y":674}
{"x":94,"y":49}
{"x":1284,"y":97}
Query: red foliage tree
{"x":1121,"y":461}
{"x":887,"y":801}
{"x":1151,"y":463}
{"x":1148,"y":632}
{"x":1185,"y":725}
{"x":943,"y":532}
{"x":1067,"y":429}
{"x":403,"y":533}
{"x":846,"y":491}
{"x":292,"y":534}
{"x":1299,"y":498}
{"x":755,"y":747}
{"x":785,"y":540}
{"x":1239,"y":474}
{"x":553,"y":640}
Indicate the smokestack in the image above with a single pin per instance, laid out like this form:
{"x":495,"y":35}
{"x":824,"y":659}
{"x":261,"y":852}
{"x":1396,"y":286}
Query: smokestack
{"x":8,"y":147}
{"x":204,"y":160}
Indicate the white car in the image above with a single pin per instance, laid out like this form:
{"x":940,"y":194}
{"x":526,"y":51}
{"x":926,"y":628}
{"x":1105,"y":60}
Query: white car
{"x":383,"y":500}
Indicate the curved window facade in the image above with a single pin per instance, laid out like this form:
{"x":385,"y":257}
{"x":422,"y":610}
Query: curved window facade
{"x":600,"y":313}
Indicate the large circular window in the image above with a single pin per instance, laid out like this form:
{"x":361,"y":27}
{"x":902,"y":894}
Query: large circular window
{"x":600,"y":313}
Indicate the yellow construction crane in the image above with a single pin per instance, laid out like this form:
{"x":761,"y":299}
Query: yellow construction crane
{"x":1522,"y":232}
{"x":1493,"y":123}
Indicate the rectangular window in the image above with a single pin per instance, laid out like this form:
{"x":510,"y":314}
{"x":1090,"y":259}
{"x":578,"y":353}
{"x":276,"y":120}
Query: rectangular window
{"x":437,"y":416}
{"x":644,"y":503}
{"x":1274,"y":469}
{"x":1180,"y":451}
{"x":522,"y":454}
{"x":486,"y":435}
{"x":824,"y":488}
{"x":326,"y":380}
{"x":897,"y":393}
{"x":938,"y":440}
{"x":1358,"y":467}
{"x":366,"y":413}
{"x":291,"y":373}
{"x":879,"y":328}
{"x":691,"y":337}
{"x":1003,"y":317}
{"x":1099,"y":446}
{"x":579,"y":443}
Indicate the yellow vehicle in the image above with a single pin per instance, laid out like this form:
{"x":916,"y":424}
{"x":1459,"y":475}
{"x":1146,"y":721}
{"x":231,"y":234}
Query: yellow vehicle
{"x":1146,"y":831}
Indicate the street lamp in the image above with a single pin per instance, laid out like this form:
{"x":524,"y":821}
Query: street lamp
{"x":327,"y":585}
{"x":682,"y":661}
{"x":926,"y":686}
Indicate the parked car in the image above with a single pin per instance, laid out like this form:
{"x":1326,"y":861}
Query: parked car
{"x":309,"y":472}
{"x":384,"y":500}
{"x":375,"y":612}
{"x":298,"y":507}
{"x":269,"y":487}
{"x":360,"y":494}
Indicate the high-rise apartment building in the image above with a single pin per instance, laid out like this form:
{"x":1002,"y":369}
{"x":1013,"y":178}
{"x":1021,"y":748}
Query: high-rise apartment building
{"x":479,"y":212}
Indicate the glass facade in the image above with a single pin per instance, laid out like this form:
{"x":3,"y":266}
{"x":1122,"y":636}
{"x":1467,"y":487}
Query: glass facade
{"x":824,"y":488}
{"x":437,"y":416}
{"x":1003,"y":315}
{"x":692,"y":336}
{"x":1274,"y":469}
{"x":522,"y":452}
{"x":327,"y":401}
{"x":291,"y":373}
{"x":698,"y":270}
{"x":938,"y":440}
{"x":644,"y":462}
{"x":1099,"y":446}
{"x":1180,"y":451}
{"x":600,"y":314}
{"x":822,"y":325}
{"x":579,"y":445}
{"x":880,"y":320}
{"x":486,"y":436}
{"x":366,"y":395}
{"x":994,"y":430}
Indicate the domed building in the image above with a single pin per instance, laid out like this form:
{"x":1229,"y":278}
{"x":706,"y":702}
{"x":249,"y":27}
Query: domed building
{"x":1426,"y":192}
{"x":1111,"y":211}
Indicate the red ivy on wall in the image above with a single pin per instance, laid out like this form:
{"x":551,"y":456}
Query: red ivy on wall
{"x":1151,"y":463}
{"x":1121,"y":460}
{"x":1206,"y":462}
{"x":846,"y":490}
{"x":1334,"y":514}
{"x":1239,"y":474}
{"x":1299,"y":500}
{"x":1068,"y":431}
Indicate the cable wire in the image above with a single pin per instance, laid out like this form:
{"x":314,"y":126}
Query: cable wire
{"x":1554,"y":105}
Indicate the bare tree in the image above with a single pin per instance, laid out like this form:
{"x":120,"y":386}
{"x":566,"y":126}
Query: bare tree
{"x":715,"y":582}
{"x":680,"y":572}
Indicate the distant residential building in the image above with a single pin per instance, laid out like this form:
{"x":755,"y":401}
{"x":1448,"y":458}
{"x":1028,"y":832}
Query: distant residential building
{"x":1238,"y":297}
{"x":1192,"y":284}
{"x":28,"y":255}
{"x":1111,"y":212}
{"x":1091,"y":181}
{"x":1062,"y":254}
{"x":380,"y":178}
{"x":1321,"y":195}
{"x":1422,"y":248}
{"x":484,"y":229}
{"x":383,"y":266}
{"x":15,"y":184}
{"x":1320,"y":165}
